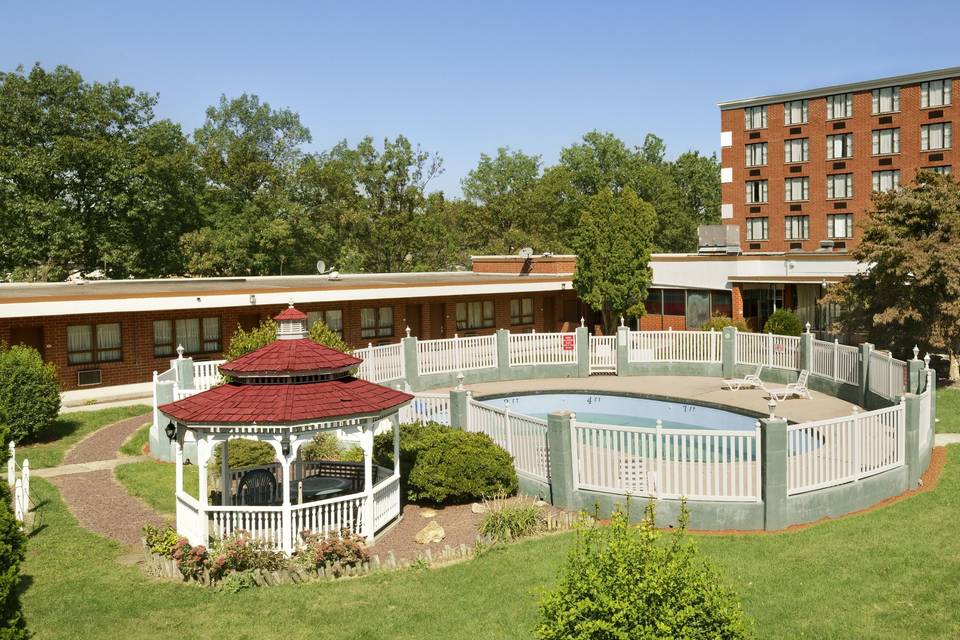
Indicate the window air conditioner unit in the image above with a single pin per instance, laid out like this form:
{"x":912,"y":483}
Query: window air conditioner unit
{"x":88,"y":377}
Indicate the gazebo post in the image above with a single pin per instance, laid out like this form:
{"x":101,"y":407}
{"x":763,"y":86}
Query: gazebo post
{"x":203,"y":457}
{"x":366,"y":442}
{"x":286,"y":543}
{"x":178,"y":456}
{"x":224,"y":473}
{"x":395,"y":421}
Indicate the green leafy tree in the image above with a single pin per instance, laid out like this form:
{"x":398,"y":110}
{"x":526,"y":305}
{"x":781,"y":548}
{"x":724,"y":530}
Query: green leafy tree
{"x":623,"y":581}
{"x":243,"y":342}
{"x":613,"y":243}
{"x":29,"y":394}
{"x":89,"y":179}
{"x":909,"y":292}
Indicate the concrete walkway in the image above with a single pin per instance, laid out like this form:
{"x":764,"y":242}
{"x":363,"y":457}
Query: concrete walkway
{"x":698,"y":389}
{"x":92,"y":494}
{"x":943,"y":439}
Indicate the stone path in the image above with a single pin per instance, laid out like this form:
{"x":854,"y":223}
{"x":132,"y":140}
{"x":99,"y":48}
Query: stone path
{"x":88,"y":488}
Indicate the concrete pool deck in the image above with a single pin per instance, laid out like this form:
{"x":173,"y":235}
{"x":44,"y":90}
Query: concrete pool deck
{"x":704,"y":390}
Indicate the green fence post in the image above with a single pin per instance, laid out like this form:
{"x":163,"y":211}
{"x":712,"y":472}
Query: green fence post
{"x":503,"y":354}
{"x":623,"y":350}
{"x":410,"y":365}
{"x":459,"y":407}
{"x":728,"y":352}
{"x":560,"y":446}
{"x":773,"y":436}
{"x":806,"y":350}
{"x":583,"y":351}
{"x":911,"y":438}
{"x":915,"y":368}
{"x":160,"y":445}
{"x":865,"y":350}
{"x":184,"y":367}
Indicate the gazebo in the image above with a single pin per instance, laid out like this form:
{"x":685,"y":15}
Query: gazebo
{"x":284,"y":394}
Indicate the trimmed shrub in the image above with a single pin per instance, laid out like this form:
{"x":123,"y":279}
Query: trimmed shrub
{"x":240,"y":552}
{"x":13,"y":544}
{"x":160,"y":540}
{"x":718,"y":322}
{"x":505,"y":521}
{"x":337,"y":552}
{"x":29,"y":394}
{"x":622,"y":581}
{"x":244,"y":453}
{"x":783,"y":322}
{"x":442,"y":465}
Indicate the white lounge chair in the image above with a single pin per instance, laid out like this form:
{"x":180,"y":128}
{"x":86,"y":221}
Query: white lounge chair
{"x":794,"y":389}
{"x":752,"y":381}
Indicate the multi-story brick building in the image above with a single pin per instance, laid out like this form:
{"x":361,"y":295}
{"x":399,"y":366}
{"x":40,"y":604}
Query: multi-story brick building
{"x":799,"y":168}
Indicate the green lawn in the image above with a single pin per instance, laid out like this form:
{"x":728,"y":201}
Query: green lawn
{"x":70,"y":428}
{"x":948,"y":410}
{"x":135,"y":444}
{"x":153,"y":482}
{"x":891,"y":573}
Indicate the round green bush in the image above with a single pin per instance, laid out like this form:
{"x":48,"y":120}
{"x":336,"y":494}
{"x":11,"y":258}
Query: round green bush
{"x":244,"y":453}
{"x":443,"y":465}
{"x":783,"y":322}
{"x":29,"y":394}
{"x":718,"y":322}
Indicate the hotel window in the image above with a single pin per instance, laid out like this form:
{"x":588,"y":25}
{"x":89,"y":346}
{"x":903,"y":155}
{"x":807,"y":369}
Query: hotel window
{"x":721,"y":303}
{"x":840,"y":225}
{"x":674,"y":302}
{"x":935,"y":93}
{"x":840,"y":186}
{"x":886,"y":180}
{"x":89,"y":343}
{"x":886,"y":100}
{"x":756,"y":191}
{"x":839,"y":106}
{"x":944,"y":170}
{"x":839,"y":146}
{"x":197,"y":335}
{"x":521,"y":311}
{"x":475,"y":315}
{"x":796,"y":150}
{"x":757,"y":154}
{"x":757,"y":228}
{"x":654,"y":302}
{"x":936,"y":136}
{"x":333,"y":318}
{"x":756,"y":117}
{"x":376,"y":322}
{"x":886,"y":141}
{"x":797,"y":227}
{"x":796,"y":189}
{"x":795,"y":112}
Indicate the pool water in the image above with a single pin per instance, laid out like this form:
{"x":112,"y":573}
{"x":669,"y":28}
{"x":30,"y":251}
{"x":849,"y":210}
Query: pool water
{"x":625,"y":411}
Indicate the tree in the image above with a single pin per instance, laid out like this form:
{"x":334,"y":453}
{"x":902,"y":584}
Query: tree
{"x":243,"y":342}
{"x":29,"y":394}
{"x":249,"y":153}
{"x":613,"y":243}
{"x":621,"y":581}
{"x":86,"y":172}
{"x":910,"y":290}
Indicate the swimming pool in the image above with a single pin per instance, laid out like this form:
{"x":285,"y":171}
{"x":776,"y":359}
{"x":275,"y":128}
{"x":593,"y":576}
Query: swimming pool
{"x":622,"y":410}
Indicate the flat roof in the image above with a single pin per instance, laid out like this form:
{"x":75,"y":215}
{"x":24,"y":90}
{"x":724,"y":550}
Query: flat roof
{"x":819,"y":92}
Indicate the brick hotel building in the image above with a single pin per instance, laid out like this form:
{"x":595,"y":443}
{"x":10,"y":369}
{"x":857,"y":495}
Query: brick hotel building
{"x":798,"y":168}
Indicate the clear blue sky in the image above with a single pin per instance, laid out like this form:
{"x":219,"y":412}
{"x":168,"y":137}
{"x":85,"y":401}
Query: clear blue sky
{"x":463,"y":78}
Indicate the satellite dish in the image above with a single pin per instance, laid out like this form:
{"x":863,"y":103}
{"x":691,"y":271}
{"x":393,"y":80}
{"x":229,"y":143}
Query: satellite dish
{"x":321,"y":266}
{"x":526,"y":253}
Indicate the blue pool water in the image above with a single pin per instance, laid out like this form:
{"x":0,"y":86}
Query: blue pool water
{"x":625,"y":410}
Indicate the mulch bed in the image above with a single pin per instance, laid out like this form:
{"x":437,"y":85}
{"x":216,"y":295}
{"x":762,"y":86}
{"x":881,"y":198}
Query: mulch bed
{"x":104,"y":443}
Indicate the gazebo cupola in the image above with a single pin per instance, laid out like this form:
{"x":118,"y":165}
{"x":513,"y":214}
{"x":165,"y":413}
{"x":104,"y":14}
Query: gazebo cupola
{"x":284,"y":394}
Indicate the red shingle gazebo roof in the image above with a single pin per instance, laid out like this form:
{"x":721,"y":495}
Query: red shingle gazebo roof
{"x":285,"y":357}
{"x":290,"y":313}
{"x":264,"y":404}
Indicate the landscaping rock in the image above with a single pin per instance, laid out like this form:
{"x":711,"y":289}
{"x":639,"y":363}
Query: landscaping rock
{"x":428,"y":513}
{"x":477,"y":507}
{"x":433,"y":532}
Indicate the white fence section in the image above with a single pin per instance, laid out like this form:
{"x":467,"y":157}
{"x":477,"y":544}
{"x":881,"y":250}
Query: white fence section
{"x":450,"y":355}
{"x":781,"y":352}
{"x":603,"y":354}
{"x":674,"y":346}
{"x":840,"y":450}
{"x":19,"y":485}
{"x":542,"y":348}
{"x":836,"y":361}
{"x":699,"y":464}
{"x":191,"y":524}
{"x":523,"y":437}
{"x":887,"y":376}
{"x":381,"y":364}
{"x":427,"y":407}
{"x":386,"y":502}
{"x":206,"y":374}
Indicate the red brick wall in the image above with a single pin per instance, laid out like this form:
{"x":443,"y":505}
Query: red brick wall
{"x":136,"y":328}
{"x":862,"y":164}
{"x":516,"y":265}
{"x":737,"y":300}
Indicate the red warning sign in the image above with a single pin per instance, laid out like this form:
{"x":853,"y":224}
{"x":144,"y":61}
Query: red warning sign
{"x":569,"y":342}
